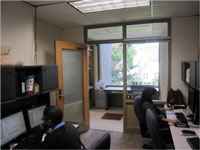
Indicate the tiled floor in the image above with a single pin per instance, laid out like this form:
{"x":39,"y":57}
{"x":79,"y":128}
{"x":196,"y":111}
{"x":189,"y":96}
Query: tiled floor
{"x":119,"y":140}
{"x":103,"y":124}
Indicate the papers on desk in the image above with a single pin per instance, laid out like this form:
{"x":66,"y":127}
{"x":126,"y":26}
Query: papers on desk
{"x":171,"y":116}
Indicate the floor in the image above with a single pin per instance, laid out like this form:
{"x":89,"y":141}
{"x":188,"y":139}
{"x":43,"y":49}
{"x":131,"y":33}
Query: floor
{"x":119,"y":140}
{"x":104,"y":124}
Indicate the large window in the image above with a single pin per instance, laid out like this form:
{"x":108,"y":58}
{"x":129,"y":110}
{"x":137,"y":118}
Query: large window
{"x":147,"y":53}
{"x":111,"y":63}
{"x":143,"y":64}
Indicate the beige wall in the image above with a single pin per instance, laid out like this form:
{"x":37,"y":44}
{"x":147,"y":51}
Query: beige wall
{"x":17,"y":30}
{"x":75,"y":34}
{"x":185,"y":47}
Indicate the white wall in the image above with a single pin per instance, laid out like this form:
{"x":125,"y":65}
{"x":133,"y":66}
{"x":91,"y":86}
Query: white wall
{"x":185,"y":47}
{"x":46,"y":35}
{"x":17,"y":30}
{"x":75,"y":34}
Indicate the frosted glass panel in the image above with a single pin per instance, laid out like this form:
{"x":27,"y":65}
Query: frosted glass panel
{"x":107,"y":33}
{"x":72,"y":85}
{"x":147,"y":30}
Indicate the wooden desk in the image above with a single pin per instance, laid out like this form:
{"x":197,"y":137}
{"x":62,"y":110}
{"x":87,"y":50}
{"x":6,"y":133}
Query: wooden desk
{"x":180,"y":141}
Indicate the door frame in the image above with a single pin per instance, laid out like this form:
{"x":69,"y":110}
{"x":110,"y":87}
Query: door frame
{"x":59,"y":47}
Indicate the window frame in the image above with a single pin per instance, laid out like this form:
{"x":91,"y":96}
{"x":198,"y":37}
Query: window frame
{"x":124,"y":26}
{"x":126,"y":40}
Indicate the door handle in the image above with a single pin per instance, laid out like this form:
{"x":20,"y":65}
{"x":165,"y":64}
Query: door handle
{"x":60,"y":94}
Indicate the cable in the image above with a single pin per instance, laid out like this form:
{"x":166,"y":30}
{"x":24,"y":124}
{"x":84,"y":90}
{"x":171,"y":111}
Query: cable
{"x":36,"y":35}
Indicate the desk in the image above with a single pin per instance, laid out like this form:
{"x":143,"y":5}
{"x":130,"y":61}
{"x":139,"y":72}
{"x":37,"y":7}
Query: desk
{"x":113,"y":89}
{"x":180,"y":141}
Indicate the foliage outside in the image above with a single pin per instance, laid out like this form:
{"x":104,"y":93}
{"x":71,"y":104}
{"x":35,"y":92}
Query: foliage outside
{"x":134,"y":70}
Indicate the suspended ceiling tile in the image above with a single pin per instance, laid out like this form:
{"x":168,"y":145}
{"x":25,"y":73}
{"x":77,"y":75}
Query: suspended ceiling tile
{"x":127,"y":14}
{"x":42,"y":2}
{"x":176,"y":9}
{"x":56,"y":10}
{"x":76,"y":20}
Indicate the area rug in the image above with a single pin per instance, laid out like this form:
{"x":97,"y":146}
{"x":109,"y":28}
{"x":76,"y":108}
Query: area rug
{"x":111,"y":116}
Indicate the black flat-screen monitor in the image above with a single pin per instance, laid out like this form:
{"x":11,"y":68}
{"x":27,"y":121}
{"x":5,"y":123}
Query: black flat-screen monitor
{"x":191,"y":98}
{"x":12,"y":127}
{"x":193,"y":103}
{"x":35,"y":116}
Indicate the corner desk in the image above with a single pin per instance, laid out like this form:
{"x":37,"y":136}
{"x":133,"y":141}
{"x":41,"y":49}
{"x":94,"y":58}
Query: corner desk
{"x":180,"y":141}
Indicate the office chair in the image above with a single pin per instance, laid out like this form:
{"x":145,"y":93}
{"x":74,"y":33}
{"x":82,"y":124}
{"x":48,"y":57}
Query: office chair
{"x":102,"y":142}
{"x":154,"y":130}
{"x":144,"y":128}
{"x":142,"y":122}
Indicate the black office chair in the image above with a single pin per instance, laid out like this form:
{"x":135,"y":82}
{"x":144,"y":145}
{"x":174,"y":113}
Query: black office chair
{"x":154,"y":130}
{"x":142,"y":122}
{"x":102,"y":142}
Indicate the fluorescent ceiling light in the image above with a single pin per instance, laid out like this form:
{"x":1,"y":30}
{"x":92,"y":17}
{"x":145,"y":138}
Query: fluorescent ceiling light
{"x":86,"y":6}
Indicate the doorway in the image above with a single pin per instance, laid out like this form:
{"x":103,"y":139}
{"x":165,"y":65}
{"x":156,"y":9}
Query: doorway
{"x":106,"y":113}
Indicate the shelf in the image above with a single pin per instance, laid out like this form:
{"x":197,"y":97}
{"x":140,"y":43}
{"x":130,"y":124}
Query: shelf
{"x":13,"y":76}
{"x":21,"y":97}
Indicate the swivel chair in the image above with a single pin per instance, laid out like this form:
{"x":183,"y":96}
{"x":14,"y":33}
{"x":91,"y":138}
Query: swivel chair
{"x":154,"y":130}
{"x":142,"y":122}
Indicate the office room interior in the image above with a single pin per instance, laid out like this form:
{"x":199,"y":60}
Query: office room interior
{"x":94,"y":64}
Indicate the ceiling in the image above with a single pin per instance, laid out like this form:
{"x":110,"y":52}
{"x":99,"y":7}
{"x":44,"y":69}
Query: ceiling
{"x":61,"y":14}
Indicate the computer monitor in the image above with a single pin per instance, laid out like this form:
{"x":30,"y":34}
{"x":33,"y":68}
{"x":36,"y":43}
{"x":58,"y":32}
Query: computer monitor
{"x":193,"y":103}
{"x":191,"y":98}
{"x":12,"y":127}
{"x":35,"y":116}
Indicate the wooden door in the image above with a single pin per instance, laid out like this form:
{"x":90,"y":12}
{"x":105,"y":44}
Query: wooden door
{"x":64,"y":51}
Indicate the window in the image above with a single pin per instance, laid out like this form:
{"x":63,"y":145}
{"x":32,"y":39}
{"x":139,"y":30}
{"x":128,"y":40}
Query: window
{"x":107,"y":33}
{"x":147,"y":53}
{"x":111,"y":63}
{"x":147,"y":30}
{"x":143,"y":64}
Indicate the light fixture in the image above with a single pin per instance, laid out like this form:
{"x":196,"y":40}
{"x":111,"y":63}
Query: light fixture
{"x":87,"y":6}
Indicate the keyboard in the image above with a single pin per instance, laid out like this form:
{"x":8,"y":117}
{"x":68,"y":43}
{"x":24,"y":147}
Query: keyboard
{"x":181,"y":117}
{"x":193,"y":142}
{"x":184,"y":123}
{"x":24,"y":143}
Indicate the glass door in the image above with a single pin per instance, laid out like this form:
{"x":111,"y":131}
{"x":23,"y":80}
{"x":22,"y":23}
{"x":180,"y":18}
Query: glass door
{"x":73,"y":95}
{"x":72,"y":85}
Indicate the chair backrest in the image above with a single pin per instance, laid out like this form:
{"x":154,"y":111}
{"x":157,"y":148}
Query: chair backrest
{"x":154,"y":129}
{"x":138,"y":111}
{"x":103,"y":142}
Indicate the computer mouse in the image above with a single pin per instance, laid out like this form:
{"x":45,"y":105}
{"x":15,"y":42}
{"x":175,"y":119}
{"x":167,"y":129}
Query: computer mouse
{"x":188,"y":132}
